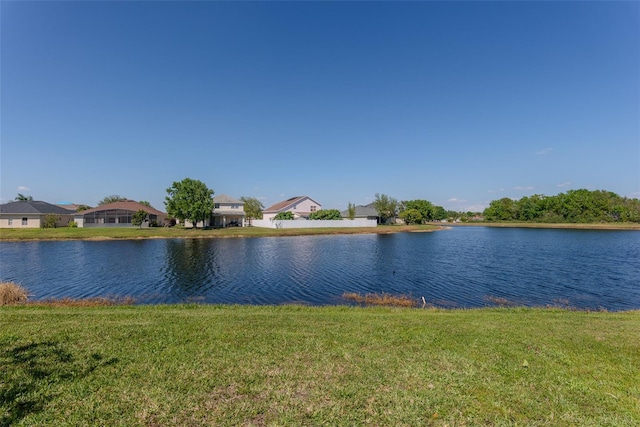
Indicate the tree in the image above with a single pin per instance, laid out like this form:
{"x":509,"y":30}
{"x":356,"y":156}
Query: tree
{"x":81,"y":208}
{"x":144,"y":202}
{"x":411,"y":216}
{"x":501,"y":210}
{"x":351,"y":211}
{"x":111,"y":199}
{"x":326,"y":214}
{"x":425,"y":207}
{"x":439,"y":213}
{"x":22,"y":198}
{"x":139,"y":218}
{"x":283,"y":215}
{"x":189,"y":200}
{"x":252,"y":208}
{"x":385,"y":206}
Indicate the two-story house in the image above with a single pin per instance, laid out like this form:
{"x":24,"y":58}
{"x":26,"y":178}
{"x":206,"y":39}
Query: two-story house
{"x":300,"y":206}
{"x":227,"y":212}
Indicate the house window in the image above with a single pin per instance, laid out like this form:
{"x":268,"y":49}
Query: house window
{"x":10,"y":221}
{"x":216,"y":205}
{"x":235,"y":206}
{"x":24,"y":221}
{"x":313,"y":208}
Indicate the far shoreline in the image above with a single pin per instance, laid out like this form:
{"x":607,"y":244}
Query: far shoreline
{"x":107,"y":234}
{"x":625,"y":226}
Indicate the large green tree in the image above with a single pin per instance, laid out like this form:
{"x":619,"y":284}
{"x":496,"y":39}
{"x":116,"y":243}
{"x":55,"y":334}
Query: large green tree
{"x":189,"y":200}
{"x":501,"y":210}
{"x":252,"y":208}
{"x":327,"y":214}
{"x":411,"y":216}
{"x":22,"y":198}
{"x":110,"y":199}
{"x":425,"y":207}
{"x":387,"y":207}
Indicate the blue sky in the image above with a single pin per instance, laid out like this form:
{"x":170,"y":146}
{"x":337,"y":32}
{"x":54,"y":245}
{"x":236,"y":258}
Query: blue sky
{"x":459,"y":103}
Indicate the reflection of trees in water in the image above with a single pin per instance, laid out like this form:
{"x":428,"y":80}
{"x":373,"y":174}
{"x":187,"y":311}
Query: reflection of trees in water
{"x":192,"y":266}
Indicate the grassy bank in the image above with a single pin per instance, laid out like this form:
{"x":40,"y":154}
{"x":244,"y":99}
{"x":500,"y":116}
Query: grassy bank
{"x":178,"y":232}
{"x":12,"y":234}
{"x":291,"y":365}
{"x":573,"y":226}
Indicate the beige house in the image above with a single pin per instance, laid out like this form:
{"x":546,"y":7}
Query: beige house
{"x":32,"y":214}
{"x":227,"y":212}
{"x":300,"y":206}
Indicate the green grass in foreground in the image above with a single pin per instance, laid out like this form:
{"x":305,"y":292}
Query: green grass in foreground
{"x":291,"y":365}
{"x":178,"y":232}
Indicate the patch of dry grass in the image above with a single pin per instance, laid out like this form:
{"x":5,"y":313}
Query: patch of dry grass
{"x":11,"y":293}
{"x":383,"y":299}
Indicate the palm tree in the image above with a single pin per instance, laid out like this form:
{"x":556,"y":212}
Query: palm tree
{"x":22,"y":198}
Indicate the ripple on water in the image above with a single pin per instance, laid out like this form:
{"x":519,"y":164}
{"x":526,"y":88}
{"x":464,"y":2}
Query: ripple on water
{"x":461,"y":267}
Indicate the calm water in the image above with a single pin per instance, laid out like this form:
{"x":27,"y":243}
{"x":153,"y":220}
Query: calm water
{"x":462,"y":267}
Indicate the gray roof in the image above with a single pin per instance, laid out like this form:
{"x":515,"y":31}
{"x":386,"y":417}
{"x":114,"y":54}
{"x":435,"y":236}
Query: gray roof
{"x":33,"y":207}
{"x":229,"y":212}
{"x":361,"y":212}
{"x":223,"y":198}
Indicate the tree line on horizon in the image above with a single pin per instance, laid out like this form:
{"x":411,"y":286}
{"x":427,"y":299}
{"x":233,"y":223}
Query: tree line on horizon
{"x":574,"y":206}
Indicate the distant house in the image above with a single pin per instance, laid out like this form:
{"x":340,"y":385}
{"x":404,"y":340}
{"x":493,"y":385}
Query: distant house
{"x":118,"y":214}
{"x":227,"y":211}
{"x":300,"y":206}
{"x":363,"y":212}
{"x":31,"y":214}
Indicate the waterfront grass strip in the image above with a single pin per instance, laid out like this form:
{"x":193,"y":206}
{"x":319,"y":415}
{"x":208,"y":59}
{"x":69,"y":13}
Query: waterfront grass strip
{"x":291,"y":365}
{"x":11,"y":234}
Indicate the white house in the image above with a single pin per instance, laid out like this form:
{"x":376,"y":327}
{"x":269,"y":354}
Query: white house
{"x":300,"y":206}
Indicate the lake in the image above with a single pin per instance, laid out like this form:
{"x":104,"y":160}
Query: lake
{"x":461,"y":267}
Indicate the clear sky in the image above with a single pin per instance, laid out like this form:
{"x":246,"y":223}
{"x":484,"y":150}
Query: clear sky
{"x":458,"y":103}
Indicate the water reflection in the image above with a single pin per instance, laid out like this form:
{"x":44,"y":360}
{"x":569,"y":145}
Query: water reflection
{"x":192,"y":267}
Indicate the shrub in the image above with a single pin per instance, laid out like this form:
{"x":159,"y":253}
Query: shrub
{"x":326,"y":214}
{"x":284,"y":215}
{"x":72,"y":224}
{"x":12,"y":293}
{"x":50,"y":221}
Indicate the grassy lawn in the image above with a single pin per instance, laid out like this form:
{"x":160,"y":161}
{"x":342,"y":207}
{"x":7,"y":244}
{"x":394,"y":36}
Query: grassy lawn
{"x":291,"y":365}
{"x":178,"y":232}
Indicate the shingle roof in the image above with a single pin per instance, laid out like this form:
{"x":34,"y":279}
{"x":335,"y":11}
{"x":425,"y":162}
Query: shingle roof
{"x":33,"y":207}
{"x":280,"y":206}
{"x":126,"y":205}
{"x":223,"y":198}
{"x":361,"y":212}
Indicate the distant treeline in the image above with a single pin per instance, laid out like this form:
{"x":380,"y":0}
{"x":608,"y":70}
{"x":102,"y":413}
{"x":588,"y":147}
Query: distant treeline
{"x":574,"y":206}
